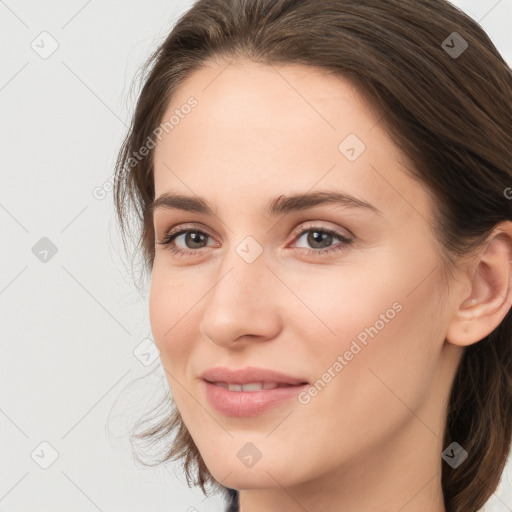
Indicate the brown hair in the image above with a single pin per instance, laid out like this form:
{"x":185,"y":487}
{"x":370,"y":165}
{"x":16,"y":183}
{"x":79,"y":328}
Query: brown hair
{"x":449,"y":112}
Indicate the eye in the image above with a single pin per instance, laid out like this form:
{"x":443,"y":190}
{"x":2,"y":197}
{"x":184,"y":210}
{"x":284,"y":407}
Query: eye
{"x":318,"y":238}
{"x":191,"y":236}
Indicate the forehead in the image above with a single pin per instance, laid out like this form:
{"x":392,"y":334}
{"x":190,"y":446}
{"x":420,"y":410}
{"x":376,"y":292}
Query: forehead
{"x":258,"y":130}
{"x":242,"y":101}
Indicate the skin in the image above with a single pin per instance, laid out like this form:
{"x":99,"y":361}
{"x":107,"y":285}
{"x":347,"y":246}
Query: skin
{"x":371,"y":439}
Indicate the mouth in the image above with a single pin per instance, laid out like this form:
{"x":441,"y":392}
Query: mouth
{"x":249,"y":392}
{"x":250,"y":376}
{"x":253,"y":386}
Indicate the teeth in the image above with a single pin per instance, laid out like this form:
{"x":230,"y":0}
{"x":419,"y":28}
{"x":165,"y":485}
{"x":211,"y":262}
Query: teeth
{"x":250,"y":386}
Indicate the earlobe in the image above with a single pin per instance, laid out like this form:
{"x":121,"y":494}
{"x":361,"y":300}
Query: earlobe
{"x":490,"y":297}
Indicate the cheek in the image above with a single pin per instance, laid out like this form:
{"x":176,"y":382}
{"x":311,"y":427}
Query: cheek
{"x":172,"y":324}
{"x":387,"y":331}
{"x":340,"y":305}
{"x":170,"y":317}
{"x":390,"y":342}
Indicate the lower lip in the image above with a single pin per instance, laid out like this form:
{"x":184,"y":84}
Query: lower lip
{"x":248,"y":403}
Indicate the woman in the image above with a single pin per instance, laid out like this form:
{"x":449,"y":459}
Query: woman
{"x":323,"y":189}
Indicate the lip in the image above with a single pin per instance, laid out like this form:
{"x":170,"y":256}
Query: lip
{"x":249,"y":374}
{"x":249,"y":403}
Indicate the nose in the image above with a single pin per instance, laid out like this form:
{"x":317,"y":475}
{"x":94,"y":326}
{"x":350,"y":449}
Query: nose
{"x":243,"y":304}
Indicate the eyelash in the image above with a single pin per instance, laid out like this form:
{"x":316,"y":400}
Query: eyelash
{"x":345,"y":241}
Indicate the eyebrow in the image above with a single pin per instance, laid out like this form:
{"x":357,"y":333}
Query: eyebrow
{"x":276,"y":206}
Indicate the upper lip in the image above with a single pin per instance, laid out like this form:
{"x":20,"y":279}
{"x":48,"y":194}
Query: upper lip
{"x":248,"y":374}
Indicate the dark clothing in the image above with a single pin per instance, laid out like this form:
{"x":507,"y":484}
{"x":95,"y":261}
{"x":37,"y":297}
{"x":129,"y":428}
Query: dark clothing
{"x":232,"y":504}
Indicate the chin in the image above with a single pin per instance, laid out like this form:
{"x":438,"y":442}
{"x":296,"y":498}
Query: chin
{"x":260,"y":476}
{"x":242,"y":480}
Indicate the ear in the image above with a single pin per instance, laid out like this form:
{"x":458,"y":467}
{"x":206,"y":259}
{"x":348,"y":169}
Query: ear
{"x":490,"y":297}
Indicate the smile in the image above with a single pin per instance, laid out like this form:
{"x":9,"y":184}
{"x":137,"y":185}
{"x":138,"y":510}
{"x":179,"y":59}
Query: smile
{"x":251,"y":386}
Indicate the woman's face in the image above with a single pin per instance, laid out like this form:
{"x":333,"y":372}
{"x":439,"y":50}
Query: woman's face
{"x":360,"y":315}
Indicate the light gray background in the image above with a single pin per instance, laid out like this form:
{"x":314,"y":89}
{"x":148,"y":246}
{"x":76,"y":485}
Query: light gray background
{"x":70,"y":325}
